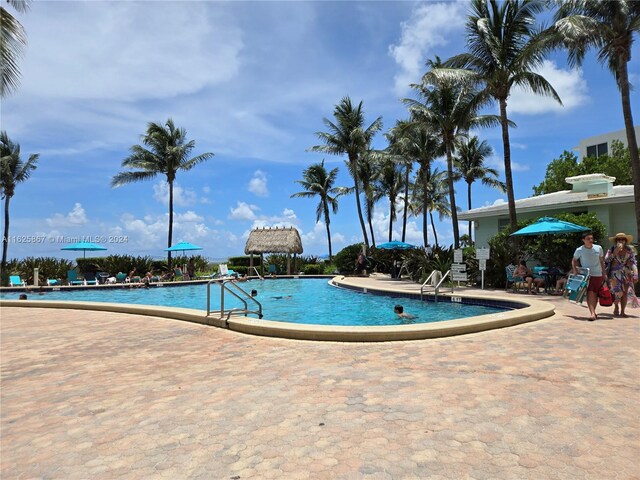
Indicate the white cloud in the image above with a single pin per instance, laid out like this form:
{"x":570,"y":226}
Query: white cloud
{"x":431,"y":25}
{"x":569,"y":84}
{"x":499,"y":201}
{"x":498,"y":164}
{"x":182,"y":197}
{"x":315,"y":241}
{"x":74,"y":218}
{"x":243,"y":211}
{"x":258,"y":184}
{"x":116,"y":50}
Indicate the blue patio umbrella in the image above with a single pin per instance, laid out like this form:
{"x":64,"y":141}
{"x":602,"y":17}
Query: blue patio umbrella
{"x":550,"y":225}
{"x":395,"y":245}
{"x":182,"y":247}
{"x":84,"y":246}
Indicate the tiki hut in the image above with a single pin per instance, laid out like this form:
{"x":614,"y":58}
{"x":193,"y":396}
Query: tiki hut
{"x":273,"y":240}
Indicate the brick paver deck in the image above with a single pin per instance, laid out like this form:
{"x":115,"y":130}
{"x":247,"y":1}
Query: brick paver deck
{"x":92,"y":395}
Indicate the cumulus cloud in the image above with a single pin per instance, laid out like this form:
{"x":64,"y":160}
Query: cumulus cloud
{"x":569,"y":84}
{"x":243,"y":211}
{"x":258,"y":184}
{"x":498,"y":164}
{"x":74,"y":218}
{"x":116,"y":50}
{"x":430,"y":26}
{"x":182,"y":197}
{"x":152,"y":229}
{"x":499,"y":201}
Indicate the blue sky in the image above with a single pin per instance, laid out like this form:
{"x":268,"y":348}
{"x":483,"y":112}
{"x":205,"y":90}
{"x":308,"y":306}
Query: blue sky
{"x":250,"y":82}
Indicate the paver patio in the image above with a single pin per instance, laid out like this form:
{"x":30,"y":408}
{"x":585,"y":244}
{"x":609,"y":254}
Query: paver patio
{"x":104,"y":395}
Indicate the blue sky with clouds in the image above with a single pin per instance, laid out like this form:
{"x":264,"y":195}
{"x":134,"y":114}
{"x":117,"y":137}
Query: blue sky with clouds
{"x":250,"y":82}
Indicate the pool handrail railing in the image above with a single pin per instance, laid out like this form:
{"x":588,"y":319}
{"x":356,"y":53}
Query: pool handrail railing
{"x":242,"y":295}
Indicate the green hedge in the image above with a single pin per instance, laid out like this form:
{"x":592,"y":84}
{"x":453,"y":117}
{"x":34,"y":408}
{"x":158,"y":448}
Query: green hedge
{"x":244,"y":260}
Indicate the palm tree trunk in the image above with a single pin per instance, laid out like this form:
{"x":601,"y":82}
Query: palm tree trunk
{"x":170,"y":223}
{"x":623,"y":75}
{"x":360,"y":217}
{"x":406,"y":202}
{"x":5,"y":242}
{"x":469,"y":202}
{"x":373,"y":238}
{"x":326,"y":222}
{"x":433,"y":226}
{"x":391,"y":220}
{"x":425,"y":211}
{"x":452,"y":196}
{"x":513,"y":219}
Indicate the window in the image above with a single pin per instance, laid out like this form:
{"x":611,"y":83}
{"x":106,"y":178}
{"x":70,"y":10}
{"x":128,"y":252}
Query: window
{"x":503,"y":223}
{"x":602,"y":149}
{"x":597,"y":150}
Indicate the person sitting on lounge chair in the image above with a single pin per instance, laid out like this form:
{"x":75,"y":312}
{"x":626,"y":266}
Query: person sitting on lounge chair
{"x":525,"y":272}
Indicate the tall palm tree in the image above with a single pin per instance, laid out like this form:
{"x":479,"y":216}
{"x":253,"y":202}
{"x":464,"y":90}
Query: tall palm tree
{"x":318,"y":182}
{"x":609,"y":27}
{"x":13,"y":41}
{"x":389,"y":183}
{"x":349,"y":136}
{"x":431,"y":194}
{"x":414,"y":142}
{"x":13,"y":170}
{"x":400,"y":149}
{"x":504,"y":49}
{"x":449,"y":106}
{"x":164,"y":151}
{"x":469,"y":165}
{"x":367,"y":173}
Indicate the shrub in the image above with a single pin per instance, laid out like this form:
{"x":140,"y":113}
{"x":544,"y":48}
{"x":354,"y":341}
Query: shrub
{"x":345,"y":259}
{"x":48,"y":267}
{"x":241,"y":269}
{"x":313,"y":269}
{"x":245,"y":260}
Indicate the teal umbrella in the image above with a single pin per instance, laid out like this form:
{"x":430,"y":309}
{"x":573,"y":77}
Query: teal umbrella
{"x":395,"y":245}
{"x":182,"y":247}
{"x":551,"y":225}
{"x":84,"y":246}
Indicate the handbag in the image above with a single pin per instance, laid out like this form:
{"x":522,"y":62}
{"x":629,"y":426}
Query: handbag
{"x":604,"y":296}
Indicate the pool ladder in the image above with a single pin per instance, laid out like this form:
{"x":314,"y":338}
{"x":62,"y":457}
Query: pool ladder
{"x":428,"y":283}
{"x":232,"y":288}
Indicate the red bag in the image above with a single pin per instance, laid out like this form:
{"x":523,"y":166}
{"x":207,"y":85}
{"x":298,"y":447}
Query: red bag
{"x":604,"y":295}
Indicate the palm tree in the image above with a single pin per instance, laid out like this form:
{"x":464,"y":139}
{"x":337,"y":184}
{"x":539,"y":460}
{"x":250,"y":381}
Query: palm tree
{"x":13,"y":170}
{"x":470,"y":166}
{"x":348,"y":136}
{"x":389,"y":183}
{"x":318,"y":182}
{"x":431,"y":193}
{"x":609,"y":27}
{"x":414,"y":142}
{"x":449,"y":107}
{"x":13,"y":41}
{"x":164,"y":150}
{"x":504,"y":50}
{"x":367,"y":166}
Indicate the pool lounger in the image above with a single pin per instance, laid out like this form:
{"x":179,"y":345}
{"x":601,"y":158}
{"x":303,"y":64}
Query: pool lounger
{"x":576,"y":287}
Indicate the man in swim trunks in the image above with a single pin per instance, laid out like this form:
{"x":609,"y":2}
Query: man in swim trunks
{"x":590,"y":256}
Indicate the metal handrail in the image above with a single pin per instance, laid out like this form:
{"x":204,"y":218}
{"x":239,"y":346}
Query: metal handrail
{"x":424,"y":285}
{"x":257,"y":272}
{"x":444,"y":277}
{"x":242,"y":295}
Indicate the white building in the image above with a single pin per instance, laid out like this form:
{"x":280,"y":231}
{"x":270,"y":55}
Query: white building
{"x":613,"y":205}
{"x":601,"y":144}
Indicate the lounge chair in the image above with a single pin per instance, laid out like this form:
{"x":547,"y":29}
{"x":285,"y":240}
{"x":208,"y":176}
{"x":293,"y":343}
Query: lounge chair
{"x":52,"y":281}
{"x":16,"y":281}
{"x":90,"y":279}
{"x":576,"y":288}
{"x":177,"y":274}
{"x":72,"y":278}
{"x":121,"y":277}
{"x":517,"y":283}
{"x":273,"y":269}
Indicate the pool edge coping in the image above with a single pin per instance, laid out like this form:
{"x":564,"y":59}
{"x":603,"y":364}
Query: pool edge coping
{"x":535,"y":310}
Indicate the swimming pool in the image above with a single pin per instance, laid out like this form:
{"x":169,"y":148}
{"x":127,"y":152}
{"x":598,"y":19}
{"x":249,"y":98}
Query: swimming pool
{"x":301,"y":301}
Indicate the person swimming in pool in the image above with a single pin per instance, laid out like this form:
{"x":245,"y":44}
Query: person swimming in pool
{"x":399,"y":311}
{"x":280,"y":297}
{"x":254,"y":293}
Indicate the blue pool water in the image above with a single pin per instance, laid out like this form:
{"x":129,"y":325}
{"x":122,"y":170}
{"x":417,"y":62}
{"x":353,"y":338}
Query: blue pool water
{"x":308,"y":301}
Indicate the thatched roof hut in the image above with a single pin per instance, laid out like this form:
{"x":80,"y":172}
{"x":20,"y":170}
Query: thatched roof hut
{"x":274,"y":240}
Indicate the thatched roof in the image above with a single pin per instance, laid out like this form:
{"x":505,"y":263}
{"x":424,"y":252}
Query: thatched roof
{"x":273,"y":240}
